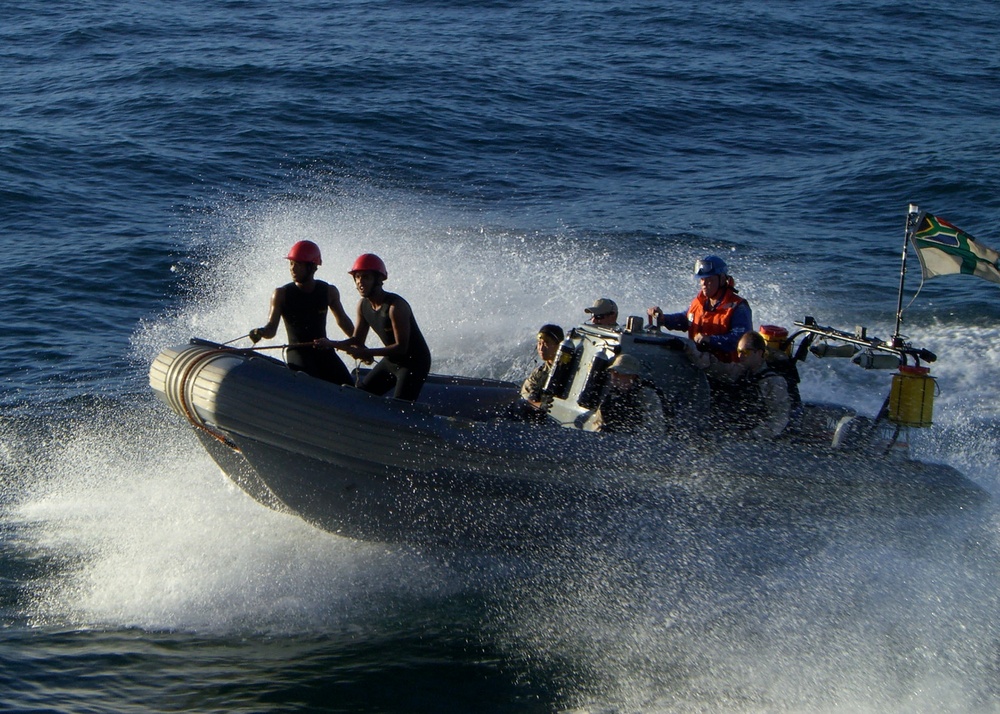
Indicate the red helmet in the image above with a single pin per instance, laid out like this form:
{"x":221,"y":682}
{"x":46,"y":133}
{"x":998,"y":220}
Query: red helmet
{"x":369,"y":261}
{"x":305,"y":251}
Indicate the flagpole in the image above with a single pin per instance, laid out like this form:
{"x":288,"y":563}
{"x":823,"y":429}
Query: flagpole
{"x":911,"y":221}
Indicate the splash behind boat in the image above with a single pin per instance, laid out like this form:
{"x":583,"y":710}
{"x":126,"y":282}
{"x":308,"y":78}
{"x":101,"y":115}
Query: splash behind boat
{"x":463,"y":467}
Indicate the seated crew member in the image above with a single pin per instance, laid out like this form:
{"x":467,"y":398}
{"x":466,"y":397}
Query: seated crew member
{"x":630,"y":404}
{"x":549,"y":337}
{"x":756,"y":402}
{"x":717,"y":317}
{"x":406,"y":359}
{"x":302,"y":304}
{"x":604,"y":312}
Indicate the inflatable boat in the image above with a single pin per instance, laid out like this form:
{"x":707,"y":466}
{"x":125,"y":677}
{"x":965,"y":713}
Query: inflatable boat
{"x":466,"y":466}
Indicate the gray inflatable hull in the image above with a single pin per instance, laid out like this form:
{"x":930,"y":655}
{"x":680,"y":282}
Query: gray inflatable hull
{"x":458,"y":468}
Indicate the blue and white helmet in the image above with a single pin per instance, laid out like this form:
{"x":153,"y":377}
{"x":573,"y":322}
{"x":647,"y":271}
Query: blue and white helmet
{"x":710,"y":265}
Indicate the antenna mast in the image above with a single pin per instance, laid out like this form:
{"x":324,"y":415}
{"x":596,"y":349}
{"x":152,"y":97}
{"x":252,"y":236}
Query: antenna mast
{"x":911,"y":225}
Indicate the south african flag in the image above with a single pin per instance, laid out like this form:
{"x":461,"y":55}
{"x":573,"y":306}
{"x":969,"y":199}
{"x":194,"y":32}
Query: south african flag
{"x":944,"y":249}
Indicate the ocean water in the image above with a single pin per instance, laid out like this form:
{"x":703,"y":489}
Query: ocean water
{"x":511,"y":161}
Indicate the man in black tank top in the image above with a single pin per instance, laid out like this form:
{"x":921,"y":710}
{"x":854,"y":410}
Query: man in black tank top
{"x":406,"y":359}
{"x":302,"y":304}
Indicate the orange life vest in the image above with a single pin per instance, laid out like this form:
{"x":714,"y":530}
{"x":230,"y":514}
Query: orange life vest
{"x":706,"y":320}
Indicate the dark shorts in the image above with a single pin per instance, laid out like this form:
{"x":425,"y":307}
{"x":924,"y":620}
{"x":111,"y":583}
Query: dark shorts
{"x":323,"y":364}
{"x":408,"y":381}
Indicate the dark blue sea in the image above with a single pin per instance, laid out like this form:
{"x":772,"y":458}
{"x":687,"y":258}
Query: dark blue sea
{"x":511,"y":161}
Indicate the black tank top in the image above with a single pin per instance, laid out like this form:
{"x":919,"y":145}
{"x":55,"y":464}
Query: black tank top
{"x":305,"y":313}
{"x":417,"y":351}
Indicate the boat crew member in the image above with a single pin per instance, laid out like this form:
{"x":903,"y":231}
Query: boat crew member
{"x":406,"y":359}
{"x":302,"y":304}
{"x":549,"y":337}
{"x":718,"y":317}
{"x":604,"y":312}
{"x":630,"y":405}
{"x":749,"y":397}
